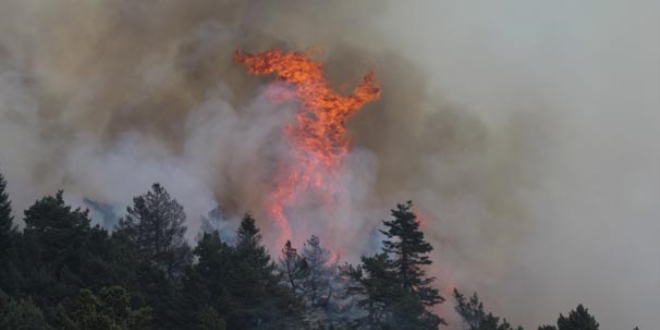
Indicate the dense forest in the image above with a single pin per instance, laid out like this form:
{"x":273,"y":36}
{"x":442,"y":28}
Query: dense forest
{"x":62,"y":272}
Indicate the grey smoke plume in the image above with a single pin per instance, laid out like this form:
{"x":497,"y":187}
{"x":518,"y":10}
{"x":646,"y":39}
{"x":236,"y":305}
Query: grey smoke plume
{"x":525,"y":131}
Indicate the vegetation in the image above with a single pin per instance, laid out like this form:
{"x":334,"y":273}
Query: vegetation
{"x":61,"y":272}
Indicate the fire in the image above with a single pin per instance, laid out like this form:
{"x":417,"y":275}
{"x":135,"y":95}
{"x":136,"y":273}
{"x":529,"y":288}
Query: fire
{"x":318,"y":134}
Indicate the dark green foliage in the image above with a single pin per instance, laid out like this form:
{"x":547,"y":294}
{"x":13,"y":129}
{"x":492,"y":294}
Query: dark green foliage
{"x":58,"y":232}
{"x":475,"y":317}
{"x":392,"y":286}
{"x":55,"y":246}
{"x":20,"y":315}
{"x":410,"y":250}
{"x":578,"y":319}
{"x":209,"y":319}
{"x":375,"y":286}
{"x":9,"y":275}
{"x":237,"y":285}
{"x":111,"y":310}
{"x":7,"y":229}
{"x":255,"y":287}
{"x":155,"y":224}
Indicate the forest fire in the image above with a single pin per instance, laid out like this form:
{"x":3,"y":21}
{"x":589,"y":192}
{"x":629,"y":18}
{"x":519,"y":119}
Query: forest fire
{"x":318,"y":133}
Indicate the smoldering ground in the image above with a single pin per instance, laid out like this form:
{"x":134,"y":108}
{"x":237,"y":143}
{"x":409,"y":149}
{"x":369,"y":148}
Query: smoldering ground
{"x":504,"y":123}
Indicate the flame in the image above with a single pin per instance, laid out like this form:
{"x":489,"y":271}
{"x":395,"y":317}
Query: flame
{"x":318,"y":134}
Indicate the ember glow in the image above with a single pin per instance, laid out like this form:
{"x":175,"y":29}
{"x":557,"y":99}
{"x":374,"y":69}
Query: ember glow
{"x":317,"y":136}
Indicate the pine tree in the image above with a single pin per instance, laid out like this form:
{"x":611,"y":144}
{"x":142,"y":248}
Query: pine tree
{"x":55,"y":252}
{"x":317,"y":284}
{"x":409,"y":250}
{"x":57,"y":233}
{"x":7,"y":229}
{"x":253,"y":279}
{"x":206,"y":284}
{"x":374,"y":285}
{"x":155,"y":224}
{"x":110,"y":310}
{"x":21,"y":314}
{"x":293,"y":267}
{"x":474,"y":316}
{"x":8,"y":239}
{"x":578,"y":319}
{"x":392,"y":287}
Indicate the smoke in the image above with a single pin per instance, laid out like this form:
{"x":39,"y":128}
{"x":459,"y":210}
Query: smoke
{"x":525,"y":132}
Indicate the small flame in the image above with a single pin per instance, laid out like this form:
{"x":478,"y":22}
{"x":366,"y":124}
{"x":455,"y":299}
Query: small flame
{"x":318,"y":135}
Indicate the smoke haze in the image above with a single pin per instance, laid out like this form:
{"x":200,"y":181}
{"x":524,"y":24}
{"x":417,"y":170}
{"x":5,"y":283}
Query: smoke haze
{"x":526,"y":132}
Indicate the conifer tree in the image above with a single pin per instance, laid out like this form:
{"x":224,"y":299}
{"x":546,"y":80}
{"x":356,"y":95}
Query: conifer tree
{"x":21,"y":314}
{"x":110,"y":310}
{"x":317,"y":284}
{"x":547,"y":327}
{"x":409,"y":250}
{"x":392,"y":286}
{"x":7,"y":229}
{"x":475,"y":317}
{"x":57,"y":231}
{"x":376,"y":289}
{"x":155,"y":224}
{"x":578,"y":319}
{"x":8,"y":239}
{"x":293,"y":267}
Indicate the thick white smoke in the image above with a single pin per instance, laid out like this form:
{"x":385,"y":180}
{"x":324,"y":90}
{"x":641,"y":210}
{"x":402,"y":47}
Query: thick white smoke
{"x":525,"y":131}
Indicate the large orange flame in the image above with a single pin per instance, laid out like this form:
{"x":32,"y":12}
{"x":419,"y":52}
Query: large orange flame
{"x":318,"y":135}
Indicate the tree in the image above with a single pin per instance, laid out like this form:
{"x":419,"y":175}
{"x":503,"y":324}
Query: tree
{"x":53,"y":251}
{"x":206,"y":299}
{"x":8,"y":239}
{"x":317,"y":284}
{"x":109,"y":311}
{"x":374,"y":285}
{"x":21,"y":314}
{"x":209,"y":319}
{"x":392,"y":286}
{"x":578,"y":319}
{"x":155,"y":224}
{"x":253,"y":279}
{"x":474,"y":317}
{"x":409,"y":250}
{"x":7,"y":229}
{"x":293,"y":267}
{"x":57,"y":229}
{"x":254,"y":285}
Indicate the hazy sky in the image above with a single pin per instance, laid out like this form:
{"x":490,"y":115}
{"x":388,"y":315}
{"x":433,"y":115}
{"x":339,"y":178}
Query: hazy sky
{"x":592,"y":70}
